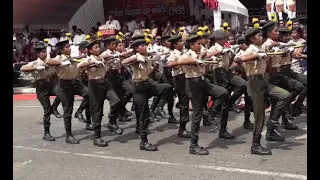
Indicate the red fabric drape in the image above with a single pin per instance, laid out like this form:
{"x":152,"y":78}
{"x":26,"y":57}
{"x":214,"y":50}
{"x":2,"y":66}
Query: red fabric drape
{"x":213,"y":4}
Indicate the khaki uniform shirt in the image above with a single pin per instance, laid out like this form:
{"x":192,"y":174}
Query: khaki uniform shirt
{"x":257,"y":66}
{"x":223,"y":60}
{"x":192,"y":71}
{"x":43,"y":74}
{"x":67,"y":72}
{"x":273,"y":59}
{"x":174,"y":56}
{"x":141,"y":70}
{"x":286,"y":59}
{"x":97,"y":72}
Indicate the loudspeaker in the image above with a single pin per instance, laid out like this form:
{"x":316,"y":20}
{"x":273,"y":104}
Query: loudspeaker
{"x":198,"y":4}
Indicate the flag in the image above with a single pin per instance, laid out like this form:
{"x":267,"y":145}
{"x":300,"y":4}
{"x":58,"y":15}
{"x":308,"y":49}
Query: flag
{"x":212,"y":4}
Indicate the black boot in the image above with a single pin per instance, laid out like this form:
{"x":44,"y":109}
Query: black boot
{"x":79,"y":116}
{"x":225,"y":135}
{"x":247,"y":125}
{"x":145,"y":145}
{"x":69,"y":138}
{"x":47,"y":136}
{"x":112,"y":126}
{"x":211,"y":119}
{"x":172,"y":120}
{"x":123,"y":118}
{"x":153,"y":117}
{"x":89,"y":126}
{"x":256,"y":147}
{"x":127,"y":113}
{"x":55,"y":112}
{"x":287,"y":115}
{"x":273,"y":136}
{"x":196,"y":149}
{"x":287,"y":125}
{"x":160,"y":112}
{"x":97,"y":141}
{"x":182,"y":130}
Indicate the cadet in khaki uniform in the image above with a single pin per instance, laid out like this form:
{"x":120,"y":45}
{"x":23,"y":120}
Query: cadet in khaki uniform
{"x":197,"y":88}
{"x":286,"y":62}
{"x":165,"y":77}
{"x":69,"y":86}
{"x":144,"y":88}
{"x":276,"y":77}
{"x":222,"y":75}
{"x":114,"y":74}
{"x":100,"y":89}
{"x":45,"y":87}
{"x":238,"y":66}
{"x":258,"y":88}
{"x":83,"y":53}
{"x":179,"y":82}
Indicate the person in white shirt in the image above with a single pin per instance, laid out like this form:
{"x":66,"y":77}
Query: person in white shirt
{"x":63,"y":36}
{"x":132,"y":24}
{"x":79,"y":37}
{"x":114,"y":22}
{"x":52,"y":40}
{"x":138,"y":31}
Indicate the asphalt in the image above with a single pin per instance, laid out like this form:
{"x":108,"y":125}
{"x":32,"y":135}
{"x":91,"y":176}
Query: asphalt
{"x":34,"y":158}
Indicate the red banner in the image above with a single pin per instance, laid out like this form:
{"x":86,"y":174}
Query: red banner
{"x":158,"y":9}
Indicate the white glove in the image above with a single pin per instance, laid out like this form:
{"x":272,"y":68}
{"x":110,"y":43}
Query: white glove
{"x":283,"y":44}
{"x":225,"y":51}
{"x":199,"y":62}
{"x":98,"y":63}
{"x":291,"y":49}
{"x":163,"y":58}
{"x":276,"y":49}
{"x":65,"y":63}
{"x":115,"y":55}
{"x":40,"y":68}
{"x":214,"y":58}
{"x":262,"y":55}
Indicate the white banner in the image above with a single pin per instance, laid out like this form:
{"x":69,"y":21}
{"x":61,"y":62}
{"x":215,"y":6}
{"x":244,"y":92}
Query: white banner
{"x":217,"y":18}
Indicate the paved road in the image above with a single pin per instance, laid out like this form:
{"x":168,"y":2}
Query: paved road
{"x":122,"y":160}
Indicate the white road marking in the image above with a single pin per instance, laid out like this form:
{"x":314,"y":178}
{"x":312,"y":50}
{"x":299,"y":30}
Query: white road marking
{"x":264,"y":132}
{"x":35,"y":106}
{"x":301,"y":137}
{"x":16,"y":165}
{"x":217,"y":168}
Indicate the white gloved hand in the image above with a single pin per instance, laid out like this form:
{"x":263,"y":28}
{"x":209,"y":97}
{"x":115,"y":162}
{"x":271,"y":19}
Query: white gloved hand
{"x":262,"y":55}
{"x":199,"y":62}
{"x":276,"y":49}
{"x":115,"y":55}
{"x":99,"y":63}
{"x":163,"y":58}
{"x":283,"y":44}
{"x":40,"y":68}
{"x":225,"y":51}
{"x":65,"y":63}
{"x":291,"y":49}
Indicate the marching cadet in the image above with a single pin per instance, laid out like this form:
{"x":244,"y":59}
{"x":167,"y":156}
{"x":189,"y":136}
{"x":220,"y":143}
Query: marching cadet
{"x":83,"y":53}
{"x":197,"y":88}
{"x":114,"y":73}
{"x":69,"y":86}
{"x":166,"y":77}
{"x":125,"y":79}
{"x":45,"y":87}
{"x":258,"y":88}
{"x":222,"y":75}
{"x":239,"y":66}
{"x":144,"y":88}
{"x":276,"y":77}
{"x":99,"y":90}
{"x":179,"y":81}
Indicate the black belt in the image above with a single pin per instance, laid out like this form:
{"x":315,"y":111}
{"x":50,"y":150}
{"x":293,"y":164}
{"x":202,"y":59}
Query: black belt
{"x":96,"y":81}
{"x":68,"y":80}
{"x":275,"y":70}
{"x":258,"y":76}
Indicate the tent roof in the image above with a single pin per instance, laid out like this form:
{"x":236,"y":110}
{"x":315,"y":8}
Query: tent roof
{"x":234,"y":6}
{"x":45,"y":11}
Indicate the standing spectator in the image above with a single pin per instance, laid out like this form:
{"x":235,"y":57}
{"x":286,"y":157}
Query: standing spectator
{"x":153,"y":28}
{"x":74,"y":31}
{"x":42,"y":34}
{"x":132,"y":24}
{"x":146,"y":22}
{"x":79,"y":37}
{"x":52,"y":41}
{"x":19,"y":45}
{"x":26,"y":32}
{"x":114,"y":22}
{"x":167,"y":30}
{"x":31,"y":45}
